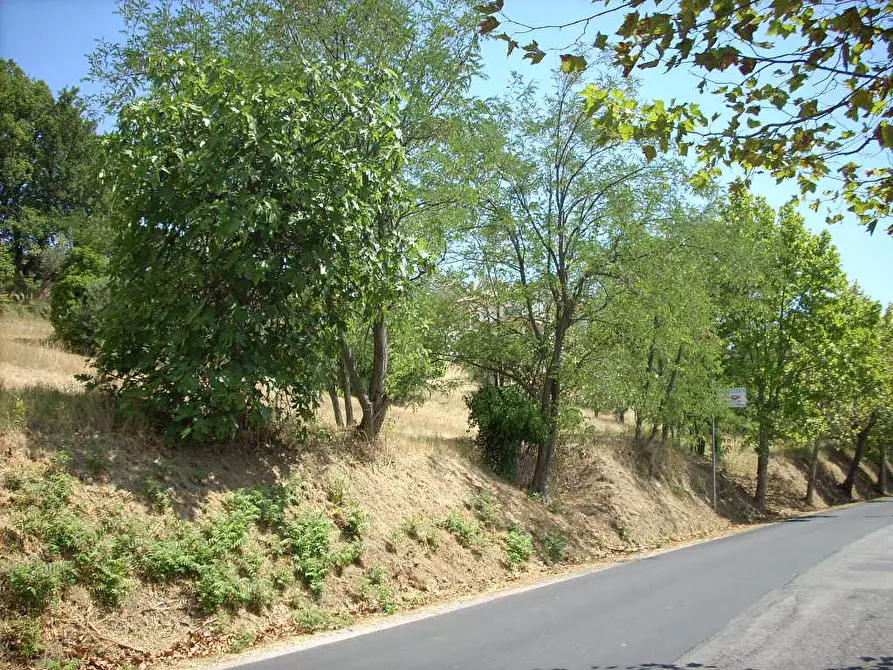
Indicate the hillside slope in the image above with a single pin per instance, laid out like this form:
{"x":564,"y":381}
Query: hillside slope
{"x":119,"y":549}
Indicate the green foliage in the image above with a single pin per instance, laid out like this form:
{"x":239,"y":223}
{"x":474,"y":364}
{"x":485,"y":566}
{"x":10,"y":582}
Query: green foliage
{"x":220,"y":586}
{"x":35,"y":585}
{"x":782,"y":71}
{"x":553,"y":544}
{"x":344,"y":554}
{"x":623,"y":530}
{"x":106,"y":572}
{"x":313,"y":619}
{"x":170,"y":558}
{"x":79,"y":295}
{"x":24,"y":636}
{"x":418,"y":529}
{"x":241,"y":641}
{"x":242,"y":196}
{"x":486,"y":508}
{"x":307,"y":538}
{"x":159,"y":496}
{"x":518,"y":547}
{"x":466,"y":532}
{"x":506,"y":420}
{"x":48,"y":161}
{"x":374,"y":592}
{"x":354,"y":522}
{"x":338,"y":489}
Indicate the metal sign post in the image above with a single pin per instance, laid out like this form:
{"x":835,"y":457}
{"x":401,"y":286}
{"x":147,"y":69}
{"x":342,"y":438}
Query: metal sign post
{"x":713,"y":454}
{"x":734,"y":397}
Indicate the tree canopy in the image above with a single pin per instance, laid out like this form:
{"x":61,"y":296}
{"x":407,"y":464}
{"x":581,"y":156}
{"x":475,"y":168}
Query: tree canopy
{"x":805,"y":85}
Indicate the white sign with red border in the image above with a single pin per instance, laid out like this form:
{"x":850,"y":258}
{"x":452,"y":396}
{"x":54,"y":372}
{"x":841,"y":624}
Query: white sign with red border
{"x":736,"y":397}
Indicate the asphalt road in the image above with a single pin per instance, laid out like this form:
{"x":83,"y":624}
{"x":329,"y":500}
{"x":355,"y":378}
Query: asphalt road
{"x":669,"y":610}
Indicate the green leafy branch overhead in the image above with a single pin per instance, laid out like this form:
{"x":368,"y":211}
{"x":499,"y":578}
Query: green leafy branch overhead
{"x":806,"y":86}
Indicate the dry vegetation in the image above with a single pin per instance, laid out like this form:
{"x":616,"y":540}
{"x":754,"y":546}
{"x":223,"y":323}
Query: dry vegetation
{"x":426,"y":523}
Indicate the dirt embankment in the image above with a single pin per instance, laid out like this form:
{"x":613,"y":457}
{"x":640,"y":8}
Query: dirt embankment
{"x":158,"y":554}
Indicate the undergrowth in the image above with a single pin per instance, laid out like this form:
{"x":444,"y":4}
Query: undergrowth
{"x":263,"y":544}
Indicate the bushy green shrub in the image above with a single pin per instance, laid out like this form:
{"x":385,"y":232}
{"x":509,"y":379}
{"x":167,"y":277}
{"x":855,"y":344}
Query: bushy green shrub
{"x":24,"y":636}
{"x":553,"y":544}
{"x":79,"y":295}
{"x":35,"y":585}
{"x":169,"y":558}
{"x":307,"y":539}
{"x":506,"y":419}
{"x":518,"y":547}
{"x":486,"y":508}
{"x":345,"y":554}
{"x":221,"y":586}
{"x":466,"y":531}
{"x":106,"y":573}
{"x":354,"y":522}
{"x":374,"y":592}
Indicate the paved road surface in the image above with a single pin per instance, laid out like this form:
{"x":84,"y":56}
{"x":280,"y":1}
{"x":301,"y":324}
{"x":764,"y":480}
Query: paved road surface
{"x":650,"y":613}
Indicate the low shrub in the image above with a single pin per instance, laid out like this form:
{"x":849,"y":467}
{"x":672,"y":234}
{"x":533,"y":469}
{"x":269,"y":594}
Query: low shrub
{"x":35,"y":585}
{"x":518,"y":547}
{"x":467,"y":532}
{"x":553,"y":544}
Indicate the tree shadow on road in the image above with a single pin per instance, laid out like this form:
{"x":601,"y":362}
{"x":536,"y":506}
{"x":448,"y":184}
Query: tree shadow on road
{"x":869,"y":663}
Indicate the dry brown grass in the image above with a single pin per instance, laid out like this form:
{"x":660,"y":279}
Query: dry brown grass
{"x":29,"y":357}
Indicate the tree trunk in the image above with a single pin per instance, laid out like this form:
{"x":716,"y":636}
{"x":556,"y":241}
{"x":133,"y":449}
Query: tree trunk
{"x":549,"y":406}
{"x":547,"y":450}
{"x":345,"y":390}
{"x":861,"y":441}
{"x":621,"y":416}
{"x":882,"y":472}
{"x":649,"y":370}
{"x":813,"y":473}
{"x":759,"y":497}
{"x":336,"y":406}
{"x":375,"y":401}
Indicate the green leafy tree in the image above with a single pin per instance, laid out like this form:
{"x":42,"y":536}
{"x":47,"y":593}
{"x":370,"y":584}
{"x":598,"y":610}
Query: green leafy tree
{"x":245,"y":199}
{"x":561,"y":215}
{"x":804,"y":84}
{"x":78,"y":298}
{"x":783,"y":327}
{"x":432,"y":49}
{"x":49,"y":157}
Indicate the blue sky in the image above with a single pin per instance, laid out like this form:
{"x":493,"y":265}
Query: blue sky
{"x":49,"y":39}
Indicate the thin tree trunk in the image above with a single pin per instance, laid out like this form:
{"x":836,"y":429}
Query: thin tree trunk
{"x":336,"y":406}
{"x":649,"y":369}
{"x":813,"y":473}
{"x":345,"y":390}
{"x":882,"y":472}
{"x":762,"y":466}
{"x":861,"y":441}
{"x":547,"y":451}
{"x":549,"y":405}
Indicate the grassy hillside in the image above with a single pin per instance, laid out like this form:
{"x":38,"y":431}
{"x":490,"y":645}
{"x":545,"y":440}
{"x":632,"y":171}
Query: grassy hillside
{"x":117,"y":549}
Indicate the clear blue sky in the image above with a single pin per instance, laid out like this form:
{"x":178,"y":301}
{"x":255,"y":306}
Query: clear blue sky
{"x":49,"y":40}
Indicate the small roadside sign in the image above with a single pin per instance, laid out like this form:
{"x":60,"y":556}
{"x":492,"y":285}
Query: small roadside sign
{"x":736,"y":397}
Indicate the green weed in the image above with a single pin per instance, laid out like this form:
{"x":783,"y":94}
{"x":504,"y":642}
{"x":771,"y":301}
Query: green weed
{"x":354,"y":522}
{"x":467,"y":532}
{"x":374,"y":592}
{"x":553,"y":545}
{"x":36,"y":585}
{"x":24,"y":636}
{"x":338,"y":490}
{"x":241,"y":641}
{"x":307,"y":539}
{"x":518,"y":547}
{"x":486,"y":508}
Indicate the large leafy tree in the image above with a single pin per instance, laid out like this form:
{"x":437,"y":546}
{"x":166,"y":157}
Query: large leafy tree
{"x":783,"y":328}
{"x":246,"y":201}
{"x":432,"y":49}
{"x":48,"y":161}
{"x":805,"y":84}
{"x":562,"y":211}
